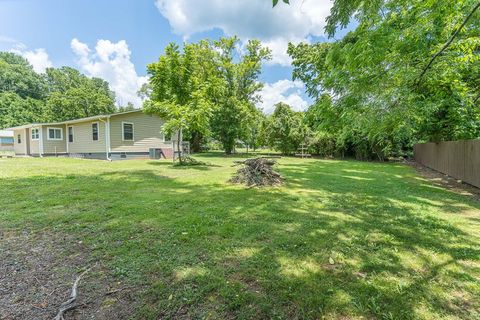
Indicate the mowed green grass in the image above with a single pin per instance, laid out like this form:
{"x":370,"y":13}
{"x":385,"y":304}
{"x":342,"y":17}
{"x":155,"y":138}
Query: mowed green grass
{"x":341,"y":239}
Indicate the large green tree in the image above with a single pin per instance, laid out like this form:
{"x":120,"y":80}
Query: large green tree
{"x":22,"y":91}
{"x":403,"y":75}
{"x":285,"y":129}
{"x":18,"y":76}
{"x":207,"y":89}
{"x":15,"y":110}
{"x":74,"y":95}
{"x":238,"y":90}
{"x":181,"y":87}
{"x":252,"y":129}
{"x":60,"y":94}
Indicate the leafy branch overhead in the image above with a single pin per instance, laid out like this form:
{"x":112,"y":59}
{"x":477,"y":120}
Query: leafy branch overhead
{"x":449,"y":42}
{"x":275,"y":2}
{"x":366,"y":103}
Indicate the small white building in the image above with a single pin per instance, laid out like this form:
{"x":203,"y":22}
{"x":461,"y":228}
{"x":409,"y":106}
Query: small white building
{"x":130,"y":134}
{"x":6,"y":140}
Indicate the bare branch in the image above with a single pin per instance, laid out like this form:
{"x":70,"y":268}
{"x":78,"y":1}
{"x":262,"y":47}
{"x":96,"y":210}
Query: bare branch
{"x":70,"y":303}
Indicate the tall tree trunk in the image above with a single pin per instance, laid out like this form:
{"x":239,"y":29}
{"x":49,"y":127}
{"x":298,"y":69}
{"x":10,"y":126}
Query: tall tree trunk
{"x":229,"y":146}
{"x":195,"y":142}
{"x":179,"y":135}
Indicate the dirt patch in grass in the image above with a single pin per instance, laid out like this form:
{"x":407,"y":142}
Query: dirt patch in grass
{"x":446,"y":181}
{"x":37,"y":271}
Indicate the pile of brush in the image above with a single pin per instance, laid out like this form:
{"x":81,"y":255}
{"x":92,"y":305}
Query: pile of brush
{"x":257,"y":172}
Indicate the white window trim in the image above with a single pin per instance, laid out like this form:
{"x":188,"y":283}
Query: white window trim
{"x":133,"y":131}
{"x":38,"y":134}
{"x":73,"y":134}
{"x":54,"y":128}
{"x":98,"y":130}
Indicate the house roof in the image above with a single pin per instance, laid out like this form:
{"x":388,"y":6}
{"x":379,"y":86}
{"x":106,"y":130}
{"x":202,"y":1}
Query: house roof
{"x":100,"y":116}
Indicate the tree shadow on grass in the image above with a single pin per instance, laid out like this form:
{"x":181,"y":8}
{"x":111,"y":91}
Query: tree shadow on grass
{"x":221,"y":154}
{"x":340,"y":239}
{"x":197,"y":166}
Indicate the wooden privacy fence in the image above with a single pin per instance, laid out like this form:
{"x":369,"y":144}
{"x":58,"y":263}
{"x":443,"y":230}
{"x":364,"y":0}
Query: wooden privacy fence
{"x":458,"y":159}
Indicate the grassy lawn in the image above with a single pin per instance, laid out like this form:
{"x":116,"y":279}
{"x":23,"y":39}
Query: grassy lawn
{"x":341,"y":240}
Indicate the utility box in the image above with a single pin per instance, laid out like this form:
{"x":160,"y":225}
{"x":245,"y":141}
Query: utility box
{"x":156,"y":153}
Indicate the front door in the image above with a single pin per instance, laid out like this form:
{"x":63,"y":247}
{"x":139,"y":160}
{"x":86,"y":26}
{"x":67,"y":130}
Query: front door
{"x":27,"y":141}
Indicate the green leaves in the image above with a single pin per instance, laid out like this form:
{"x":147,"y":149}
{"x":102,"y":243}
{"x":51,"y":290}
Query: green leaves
{"x":377,"y":110}
{"x":285,"y":129}
{"x":275,"y":2}
{"x":15,"y":110}
{"x":60,"y":94}
{"x":182,"y":87}
{"x":209,"y":88}
{"x":74,"y":95}
{"x":238,"y":78}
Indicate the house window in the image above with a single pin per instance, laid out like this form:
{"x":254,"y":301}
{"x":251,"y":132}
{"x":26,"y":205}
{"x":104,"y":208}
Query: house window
{"x":35,"y":134}
{"x":19,"y":138}
{"x":6,"y":141}
{"x":95,"y":131}
{"x":70,"y":134}
{"x":127,"y":131}
{"x":55,"y":134}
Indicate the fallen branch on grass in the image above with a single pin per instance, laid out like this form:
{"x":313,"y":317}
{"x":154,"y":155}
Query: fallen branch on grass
{"x":257,"y":172}
{"x":70,"y":303}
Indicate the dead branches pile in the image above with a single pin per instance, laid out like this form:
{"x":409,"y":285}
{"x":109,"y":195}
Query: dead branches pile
{"x":257,"y":172}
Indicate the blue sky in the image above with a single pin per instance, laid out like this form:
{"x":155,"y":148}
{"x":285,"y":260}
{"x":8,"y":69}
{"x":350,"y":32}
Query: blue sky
{"x":115,"y":40}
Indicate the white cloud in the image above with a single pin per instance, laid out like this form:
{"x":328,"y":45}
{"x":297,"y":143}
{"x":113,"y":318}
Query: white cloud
{"x":38,"y":58}
{"x":279,"y":48}
{"x":5,"y":39}
{"x":111,"y":61}
{"x":250,"y":19}
{"x":287,"y":91}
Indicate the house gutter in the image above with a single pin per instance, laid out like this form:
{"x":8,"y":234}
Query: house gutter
{"x":107,"y":137}
{"x":66,"y":139}
{"x":40,"y":141}
{"x":26,"y":141}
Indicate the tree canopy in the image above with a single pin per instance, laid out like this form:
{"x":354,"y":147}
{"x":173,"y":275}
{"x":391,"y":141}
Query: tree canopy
{"x":207,"y":89}
{"x":285,"y":129}
{"x":22,"y":91}
{"x":408,"y":72}
{"x":238,"y":90}
{"x":73,"y":95}
{"x":58,"y":95}
{"x":180,"y":84}
{"x":384,"y":90}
